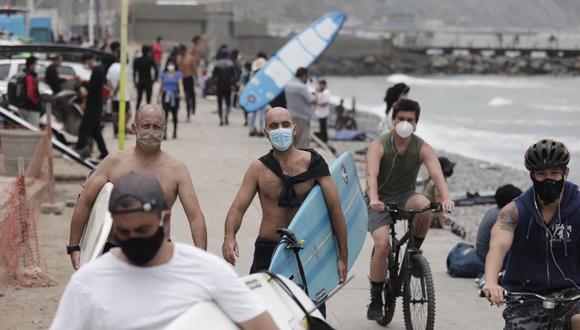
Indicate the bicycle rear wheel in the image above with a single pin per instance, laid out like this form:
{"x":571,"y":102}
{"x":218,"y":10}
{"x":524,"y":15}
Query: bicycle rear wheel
{"x":419,"y":295}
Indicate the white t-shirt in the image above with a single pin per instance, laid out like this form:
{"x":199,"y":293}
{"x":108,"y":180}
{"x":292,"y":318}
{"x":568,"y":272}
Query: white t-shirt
{"x":114,"y":76}
{"x":109,"y":293}
{"x":323,"y":111}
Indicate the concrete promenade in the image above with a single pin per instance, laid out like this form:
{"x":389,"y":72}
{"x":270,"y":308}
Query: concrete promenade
{"x":218,"y":157}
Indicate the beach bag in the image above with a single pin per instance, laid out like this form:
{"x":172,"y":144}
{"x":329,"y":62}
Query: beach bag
{"x":462,"y":261}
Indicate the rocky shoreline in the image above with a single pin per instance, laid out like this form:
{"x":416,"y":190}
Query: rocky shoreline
{"x":470,"y":175}
{"x":419,"y":64}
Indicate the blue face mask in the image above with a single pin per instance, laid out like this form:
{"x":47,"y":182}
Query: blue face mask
{"x":281,"y":138}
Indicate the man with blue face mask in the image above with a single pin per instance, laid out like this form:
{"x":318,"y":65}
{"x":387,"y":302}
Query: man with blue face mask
{"x":282,"y":178}
{"x":393,"y":162}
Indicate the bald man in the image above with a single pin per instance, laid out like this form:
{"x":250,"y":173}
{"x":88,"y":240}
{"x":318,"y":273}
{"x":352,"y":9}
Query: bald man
{"x":282,"y":178}
{"x":145,"y":156}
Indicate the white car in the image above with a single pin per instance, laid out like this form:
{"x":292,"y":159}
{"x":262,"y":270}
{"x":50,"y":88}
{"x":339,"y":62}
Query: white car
{"x":10,"y":67}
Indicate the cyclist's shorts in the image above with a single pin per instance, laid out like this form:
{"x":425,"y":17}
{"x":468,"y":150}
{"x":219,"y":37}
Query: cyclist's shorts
{"x":531,"y":315}
{"x":379,"y":219}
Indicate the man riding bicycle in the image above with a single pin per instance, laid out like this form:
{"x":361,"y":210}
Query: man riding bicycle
{"x":539,"y":232}
{"x":393,"y":162}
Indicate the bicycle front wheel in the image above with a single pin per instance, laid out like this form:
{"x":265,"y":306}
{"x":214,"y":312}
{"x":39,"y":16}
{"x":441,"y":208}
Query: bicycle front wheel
{"x":419,"y":295}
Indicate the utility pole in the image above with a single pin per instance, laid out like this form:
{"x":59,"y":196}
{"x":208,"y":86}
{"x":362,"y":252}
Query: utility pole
{"x":30,"y":7}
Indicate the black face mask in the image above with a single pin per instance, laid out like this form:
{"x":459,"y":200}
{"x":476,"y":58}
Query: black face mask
{"x":141,"y":250}
{"x":548,"y":190}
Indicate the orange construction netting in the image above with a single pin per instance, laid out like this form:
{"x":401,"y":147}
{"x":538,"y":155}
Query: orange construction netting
{"x":20,"y":201}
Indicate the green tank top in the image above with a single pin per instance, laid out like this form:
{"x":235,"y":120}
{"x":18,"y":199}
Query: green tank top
{"x":398,"y":173}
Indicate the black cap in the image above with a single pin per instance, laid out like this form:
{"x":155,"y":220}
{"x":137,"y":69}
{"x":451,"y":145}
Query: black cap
{"x":137,"y":186}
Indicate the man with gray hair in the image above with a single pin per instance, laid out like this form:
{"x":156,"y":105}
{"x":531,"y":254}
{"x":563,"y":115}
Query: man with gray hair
{"x":145,"y":156}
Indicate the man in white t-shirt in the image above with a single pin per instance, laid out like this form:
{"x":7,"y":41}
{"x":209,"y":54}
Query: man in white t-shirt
{"x":114,"y":80}
{"x":149,"y":281}
{"x":322,"y":110}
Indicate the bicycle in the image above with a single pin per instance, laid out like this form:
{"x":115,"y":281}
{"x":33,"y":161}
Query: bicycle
{"x":409,"y":277}
{"x":549,"y":303}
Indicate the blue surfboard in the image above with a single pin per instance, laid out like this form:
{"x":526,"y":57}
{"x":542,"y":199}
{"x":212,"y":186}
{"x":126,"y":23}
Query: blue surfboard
{"x":301,"y":51}
{"x":312,"y":225}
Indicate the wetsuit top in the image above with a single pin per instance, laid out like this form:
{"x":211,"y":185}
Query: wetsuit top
{"x":288,"y":198}
{"x":545,"y":257}
{"x":398,"y":172}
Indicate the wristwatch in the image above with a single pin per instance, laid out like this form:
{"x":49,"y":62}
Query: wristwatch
{"x":71,"y":248}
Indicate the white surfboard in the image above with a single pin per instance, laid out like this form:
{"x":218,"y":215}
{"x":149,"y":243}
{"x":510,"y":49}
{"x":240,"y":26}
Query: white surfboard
{"x":98,"y":227}
{"x":285,"y":312}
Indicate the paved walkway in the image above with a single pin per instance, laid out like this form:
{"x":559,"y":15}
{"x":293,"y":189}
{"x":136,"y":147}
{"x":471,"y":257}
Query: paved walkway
{"x":218,"y":157}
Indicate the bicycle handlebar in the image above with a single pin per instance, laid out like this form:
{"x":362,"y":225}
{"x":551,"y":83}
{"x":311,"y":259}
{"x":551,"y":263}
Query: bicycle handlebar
{"x":394,"y":207}
{"x":533,"y":296}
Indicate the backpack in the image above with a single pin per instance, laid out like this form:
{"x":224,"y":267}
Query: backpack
{"x":17,"y":90}
{"x":462,"y":261}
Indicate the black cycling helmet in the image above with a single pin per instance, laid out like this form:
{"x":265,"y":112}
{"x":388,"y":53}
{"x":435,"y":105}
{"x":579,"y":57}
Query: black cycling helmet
{"x":547,"y":154}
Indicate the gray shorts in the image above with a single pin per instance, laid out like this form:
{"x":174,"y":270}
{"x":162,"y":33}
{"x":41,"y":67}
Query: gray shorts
{"x":379,"y":219}
{"x":531,"y":315}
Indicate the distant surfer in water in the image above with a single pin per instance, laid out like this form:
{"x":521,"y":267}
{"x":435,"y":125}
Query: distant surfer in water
{"x":282,"y":178}
{"x":393,"y":162}
{"x":145,"y":156}
{"x":149,"y":281}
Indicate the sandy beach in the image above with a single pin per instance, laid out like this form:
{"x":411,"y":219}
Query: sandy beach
{"x":216,"y":182}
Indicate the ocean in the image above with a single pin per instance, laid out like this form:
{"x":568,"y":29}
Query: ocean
{"x":491,"y":118}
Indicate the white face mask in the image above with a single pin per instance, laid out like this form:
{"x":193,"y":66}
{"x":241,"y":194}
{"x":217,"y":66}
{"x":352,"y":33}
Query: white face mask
{"x":404,"y":129}
{"x":171,"y":67}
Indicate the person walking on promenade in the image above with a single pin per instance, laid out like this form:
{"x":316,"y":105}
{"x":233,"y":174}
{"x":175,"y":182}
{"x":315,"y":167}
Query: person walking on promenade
{"x":235,"y":58}
{"x":394,"y":94}
{"x":30,"y":105}
{"x":150,"y":281}
{"x":223,"y":74}
{"x":187,"y":65}
{"x":259,"y":114}
{"x":114,"y":79}
{"x":169,"y":93}
{"x":157,"y":50}
{"x":300,"y":104}
{"x":91,"y":121}
{"x":322,"y":110}
{"x":393,"y":162}
{"x":147,"y":156}
{"x":269,"y":177}
{"x":145,"y":73}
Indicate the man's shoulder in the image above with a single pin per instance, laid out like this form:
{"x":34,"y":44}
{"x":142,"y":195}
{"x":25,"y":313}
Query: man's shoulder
{"x":190,"y":253}
{"x":88,"y":273}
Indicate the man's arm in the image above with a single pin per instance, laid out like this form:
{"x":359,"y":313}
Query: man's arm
{"x":308,"y":97}
{"x":241,"y":203}
{"x":85,"y":202}
{"x":374,"y":154}
{"x":502,"y":236}
{"x":429,"y":158}
{"x":338,"y":222}
{"x":261,"y":322}
{"x":190,"y":203}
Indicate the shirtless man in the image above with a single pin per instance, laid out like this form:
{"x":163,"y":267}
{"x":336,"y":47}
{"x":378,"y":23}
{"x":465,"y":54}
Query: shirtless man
{"x":302,"y":169}
{"x":187,"y":64}
{"x":146,"y":156}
